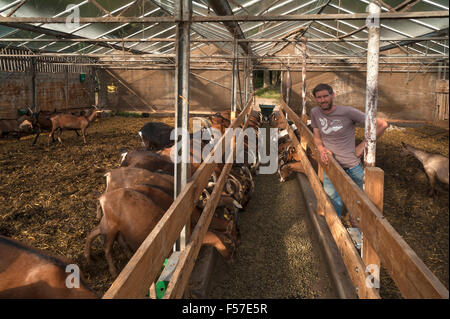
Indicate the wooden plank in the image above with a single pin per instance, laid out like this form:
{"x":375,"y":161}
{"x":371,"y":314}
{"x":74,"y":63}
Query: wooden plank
{"x":144,"y":266}
{"x":142,"y":269}
{"x":350,"y":255}
{"x":180,"y":277}
{"x":232,"y":18}
{"x":342,"y":283}
{"x":374,"y":188}
{"x":441,"y":86}
{"x":408,"y":271}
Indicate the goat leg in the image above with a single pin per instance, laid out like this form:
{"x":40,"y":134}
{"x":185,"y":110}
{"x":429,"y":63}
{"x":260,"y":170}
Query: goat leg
{"x":87,"y":249}
{"x":84,"y":136}
{"x":37,"y":135}
{"x":432,"y":179}
{"x":109,"y":241}
{"x":125,"y":246}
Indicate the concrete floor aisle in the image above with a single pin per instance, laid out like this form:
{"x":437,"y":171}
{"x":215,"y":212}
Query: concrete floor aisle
{"x":278,"y":256}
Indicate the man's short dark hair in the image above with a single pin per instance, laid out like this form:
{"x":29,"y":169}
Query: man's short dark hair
{"x":322,"y":87}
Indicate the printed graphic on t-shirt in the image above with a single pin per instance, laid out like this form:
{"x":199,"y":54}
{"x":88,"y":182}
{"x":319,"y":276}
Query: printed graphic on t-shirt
{"x":333,"y":126}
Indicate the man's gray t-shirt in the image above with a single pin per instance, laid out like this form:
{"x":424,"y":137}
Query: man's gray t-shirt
{"x":337,"y":131}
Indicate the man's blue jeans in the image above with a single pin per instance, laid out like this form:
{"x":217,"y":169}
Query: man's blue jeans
{"x":357,"y":175}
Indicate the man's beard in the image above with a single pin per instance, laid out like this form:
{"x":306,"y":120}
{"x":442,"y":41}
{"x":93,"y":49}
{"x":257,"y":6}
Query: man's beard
{"x":328,"y":107}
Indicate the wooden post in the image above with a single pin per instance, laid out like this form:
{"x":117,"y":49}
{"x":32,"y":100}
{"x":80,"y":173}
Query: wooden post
{"x":33,"y":83}
{"x":66,"y":69}
{"x":374,"y":188}
{"x":266,"y":78}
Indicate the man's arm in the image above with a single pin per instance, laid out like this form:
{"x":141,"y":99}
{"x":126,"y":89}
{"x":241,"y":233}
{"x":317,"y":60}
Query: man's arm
{"x":381,"y":127}
{"x":323,"y":151}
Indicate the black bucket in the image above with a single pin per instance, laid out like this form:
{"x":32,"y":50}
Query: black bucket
{"x":266,"y":109}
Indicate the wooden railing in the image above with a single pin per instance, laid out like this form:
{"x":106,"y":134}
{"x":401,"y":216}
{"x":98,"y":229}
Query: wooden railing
{"x":141,"y":271}
{"x":408,"y":271}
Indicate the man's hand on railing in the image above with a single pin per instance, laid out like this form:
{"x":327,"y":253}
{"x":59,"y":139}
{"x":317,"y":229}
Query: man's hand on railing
{"x":323,"y":151}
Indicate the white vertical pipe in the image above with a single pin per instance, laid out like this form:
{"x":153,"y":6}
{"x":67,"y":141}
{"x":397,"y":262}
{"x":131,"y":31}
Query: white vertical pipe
{"x":181,"y":171}
{"x":304,"y":77}
{"x":234,"y":79}
{"x":373,"y":46}
{"x":288,"y":86}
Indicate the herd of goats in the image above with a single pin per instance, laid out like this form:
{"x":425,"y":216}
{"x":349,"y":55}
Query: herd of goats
{"x":140,"y":191}
{"x":137,"y":195}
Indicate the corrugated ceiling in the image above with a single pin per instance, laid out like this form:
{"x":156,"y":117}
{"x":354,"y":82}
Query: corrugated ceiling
{"x":402,"y":28}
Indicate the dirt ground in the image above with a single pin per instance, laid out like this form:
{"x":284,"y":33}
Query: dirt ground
{"x":276,"y":258}
{"x":48,"y":194}
{"x":421,"y":220}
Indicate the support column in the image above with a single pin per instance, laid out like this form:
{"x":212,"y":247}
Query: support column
{"x":288,"y":87}
{"x":234,"y":80}
{"x":304,"y":80}
{"x":66,"y":71}
{"x":266,"y":78}
{"x":33,"y":83}
{"x":373,"y":177}
{"x":373,"y":47}
{"x":246,"y":81}
{"x":182,"y":169}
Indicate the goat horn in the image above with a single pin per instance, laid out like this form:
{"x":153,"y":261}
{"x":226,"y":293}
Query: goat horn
{"x":228,"y":188}
{"x":236,"y":180}
{"x":236,"y":204}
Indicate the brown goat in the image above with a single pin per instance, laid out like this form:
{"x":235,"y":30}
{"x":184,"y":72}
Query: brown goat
{"x":128,"y":176}
{"x":148,"y":160}
{"x":287,"y":169}
{"x":27,"y":272}
{"x":71,"y":122}
{"x":131,"y":226}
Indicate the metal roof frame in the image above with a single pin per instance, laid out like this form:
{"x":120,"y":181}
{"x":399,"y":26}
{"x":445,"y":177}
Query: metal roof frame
{"x":338,"y":30}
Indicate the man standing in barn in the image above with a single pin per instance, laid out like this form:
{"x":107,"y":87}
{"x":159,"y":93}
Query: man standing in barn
{"x":334,"y":134}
